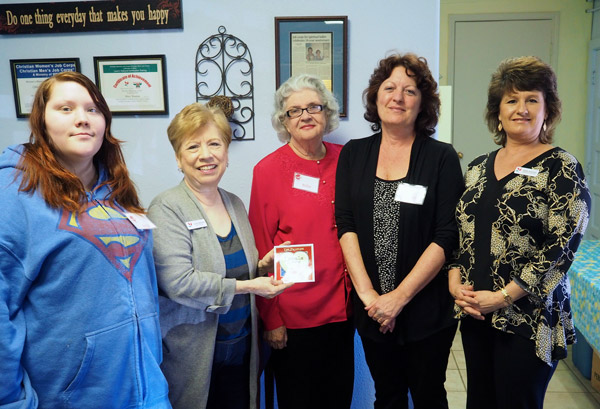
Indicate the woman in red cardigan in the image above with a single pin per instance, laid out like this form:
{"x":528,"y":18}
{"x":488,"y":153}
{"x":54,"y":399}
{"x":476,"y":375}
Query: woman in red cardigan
{"x":292,"y":199}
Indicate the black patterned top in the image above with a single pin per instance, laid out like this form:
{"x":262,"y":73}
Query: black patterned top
{"x":525,"y":228}
{"x":386,"y":217}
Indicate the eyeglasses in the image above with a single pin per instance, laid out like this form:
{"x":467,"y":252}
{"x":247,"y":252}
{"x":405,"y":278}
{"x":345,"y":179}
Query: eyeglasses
{"x":296,"y":112}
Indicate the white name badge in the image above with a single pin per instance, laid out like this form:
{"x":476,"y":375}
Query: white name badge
{"x":196,"y":224}
{"x":307,"y":183}
{"x":526,"y":171}
{"x":140,"y":221}
{"x":413,"y":194}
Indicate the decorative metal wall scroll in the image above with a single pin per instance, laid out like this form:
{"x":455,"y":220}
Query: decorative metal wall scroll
{"x":224,"y":68}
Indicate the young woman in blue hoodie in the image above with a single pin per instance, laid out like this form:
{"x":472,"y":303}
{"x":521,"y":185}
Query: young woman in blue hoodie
{"x":78,"y":297}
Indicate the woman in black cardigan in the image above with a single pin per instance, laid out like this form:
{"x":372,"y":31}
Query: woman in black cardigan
{"x":395,"y":199}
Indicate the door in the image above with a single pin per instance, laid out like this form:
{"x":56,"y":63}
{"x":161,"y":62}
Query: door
{"x":592,"y":165}
{"x":477,"y":44}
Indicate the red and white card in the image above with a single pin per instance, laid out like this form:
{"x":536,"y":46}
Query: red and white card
{"x":294,"y":263}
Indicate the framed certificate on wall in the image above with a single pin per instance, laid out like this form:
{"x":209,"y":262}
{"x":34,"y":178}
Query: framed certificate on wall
{"x":27,"y":75}
{"x":316,"y":46}
{"x":133,"y":85}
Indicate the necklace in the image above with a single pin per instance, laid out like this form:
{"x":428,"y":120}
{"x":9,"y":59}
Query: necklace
{"x":319,"y":155}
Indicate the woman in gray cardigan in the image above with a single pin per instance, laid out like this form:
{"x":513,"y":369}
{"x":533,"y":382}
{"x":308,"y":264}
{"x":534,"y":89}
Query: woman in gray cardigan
{"x":207,"y":263}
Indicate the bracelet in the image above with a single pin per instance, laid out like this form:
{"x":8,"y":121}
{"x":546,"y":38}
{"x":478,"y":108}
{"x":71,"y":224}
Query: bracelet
{"x":506,"y":296}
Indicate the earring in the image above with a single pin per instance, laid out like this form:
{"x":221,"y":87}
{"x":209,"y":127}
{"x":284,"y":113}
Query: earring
{"x":500,"y":127}
{"x":179,"y":169}
{"x":544,"y":126}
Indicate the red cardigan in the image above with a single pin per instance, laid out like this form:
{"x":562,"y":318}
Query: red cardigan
{"x":278,"y":213}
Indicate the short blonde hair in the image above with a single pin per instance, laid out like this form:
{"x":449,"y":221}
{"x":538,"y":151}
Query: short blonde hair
{"x":193,"y":118}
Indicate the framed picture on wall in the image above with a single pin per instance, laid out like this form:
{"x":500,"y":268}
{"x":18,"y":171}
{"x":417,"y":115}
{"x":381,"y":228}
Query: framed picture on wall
{"x":28,"y":74}
{"x":133,"y":85}
{"x":317,"y":46}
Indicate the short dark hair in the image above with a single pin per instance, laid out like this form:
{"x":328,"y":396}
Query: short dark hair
{"x":417,"y":68}
{"x":523,"y":74}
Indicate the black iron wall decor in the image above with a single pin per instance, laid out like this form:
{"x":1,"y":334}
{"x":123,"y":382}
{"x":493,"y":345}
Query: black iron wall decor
{"x":224,"y":68}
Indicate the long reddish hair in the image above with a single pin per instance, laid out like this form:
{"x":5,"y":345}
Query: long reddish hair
{"x":59,"y":187}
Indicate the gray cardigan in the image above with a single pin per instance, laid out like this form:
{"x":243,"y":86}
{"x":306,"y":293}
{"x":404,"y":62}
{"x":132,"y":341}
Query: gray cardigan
{"x":193,"y":290}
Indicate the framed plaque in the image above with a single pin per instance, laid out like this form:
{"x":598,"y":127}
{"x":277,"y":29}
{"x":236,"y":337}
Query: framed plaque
{"x":27,"y":75}
{"x":133,"y":85}
{"x":317,"y":46}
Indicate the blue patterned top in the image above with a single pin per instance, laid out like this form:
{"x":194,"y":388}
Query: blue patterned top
{"x":236,"y":322}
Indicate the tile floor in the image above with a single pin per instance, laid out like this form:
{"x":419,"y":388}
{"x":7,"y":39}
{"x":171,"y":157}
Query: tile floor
{"x":568,"y":389}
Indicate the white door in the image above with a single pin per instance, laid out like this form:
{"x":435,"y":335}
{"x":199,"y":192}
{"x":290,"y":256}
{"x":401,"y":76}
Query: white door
{"x":592,"y":166}
{"x":477,"y":44}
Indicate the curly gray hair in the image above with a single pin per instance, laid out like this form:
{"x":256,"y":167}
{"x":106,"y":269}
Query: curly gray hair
{"x":295,"y":84}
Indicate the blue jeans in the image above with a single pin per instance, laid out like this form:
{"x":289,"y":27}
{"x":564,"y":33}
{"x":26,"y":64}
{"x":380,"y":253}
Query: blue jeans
{"x":230,"y":377}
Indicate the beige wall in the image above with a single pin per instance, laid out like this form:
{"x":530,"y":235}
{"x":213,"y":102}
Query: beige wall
{"x":574,"y":35}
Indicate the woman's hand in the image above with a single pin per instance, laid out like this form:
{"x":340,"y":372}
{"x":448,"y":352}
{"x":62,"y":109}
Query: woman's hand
{"x":276,"y":338}
{"x":467,"y":303}
{"x":390,"y":327}
{"x":463,"y":297}
{"x":486,"y":301}
{"x":265,"y":265}
{"x":385,"y":309}
{"x":479,"y":303}
{"x":266,"y":287}
{"x":368,"y":297}
{"x":455,"y":284}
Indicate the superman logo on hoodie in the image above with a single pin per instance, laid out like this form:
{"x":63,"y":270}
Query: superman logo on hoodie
{"x":110,"y":232}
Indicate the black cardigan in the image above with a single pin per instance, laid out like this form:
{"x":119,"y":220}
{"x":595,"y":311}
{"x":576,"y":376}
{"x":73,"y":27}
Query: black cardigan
{"x":433,"y":164}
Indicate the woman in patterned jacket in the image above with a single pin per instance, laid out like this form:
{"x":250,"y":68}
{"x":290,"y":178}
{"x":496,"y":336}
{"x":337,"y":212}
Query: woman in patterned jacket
{"x":521,"y":219}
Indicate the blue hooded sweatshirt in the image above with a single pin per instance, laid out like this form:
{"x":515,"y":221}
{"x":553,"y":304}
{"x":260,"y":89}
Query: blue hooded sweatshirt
{"x":78,"y":304}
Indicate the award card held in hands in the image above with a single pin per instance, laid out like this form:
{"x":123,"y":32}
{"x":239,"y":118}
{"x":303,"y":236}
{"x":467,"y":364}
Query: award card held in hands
{"x":294,"y":263}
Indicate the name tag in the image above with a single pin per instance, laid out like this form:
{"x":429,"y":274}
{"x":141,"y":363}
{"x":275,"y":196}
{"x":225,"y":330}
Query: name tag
{"x":140,"y":221}
{"x":307,"y":183}
{"x":413,"y":194}
{"x":526,"y":171}
{"x":196,"y":224}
